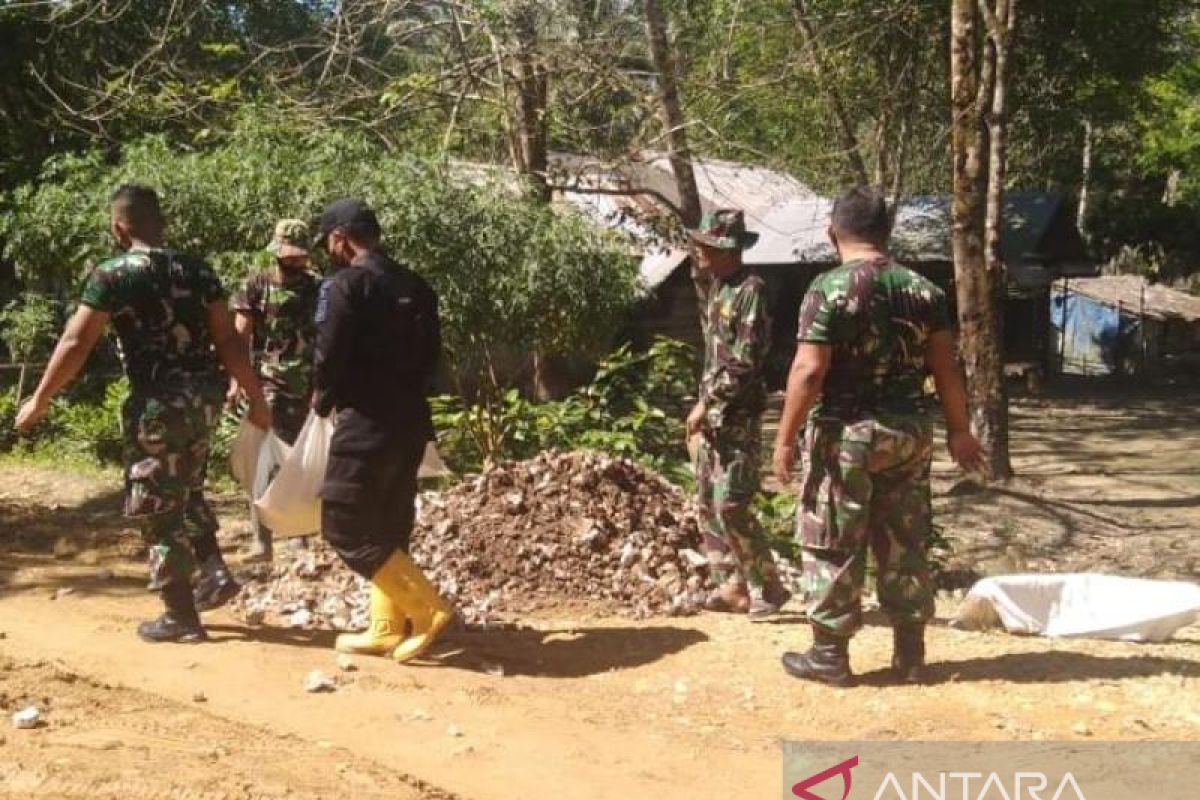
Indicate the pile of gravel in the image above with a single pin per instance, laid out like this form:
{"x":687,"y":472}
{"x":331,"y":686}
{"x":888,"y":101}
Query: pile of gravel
{"x":580,"y":531}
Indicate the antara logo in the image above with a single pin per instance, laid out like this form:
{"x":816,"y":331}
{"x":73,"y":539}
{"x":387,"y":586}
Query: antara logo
{"x":801,"y":789}
{"x":948,"y":786}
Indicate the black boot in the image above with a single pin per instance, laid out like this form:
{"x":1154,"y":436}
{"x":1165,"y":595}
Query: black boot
{"x":908,"y":654}
{"x":180,"y":622}
{"x":216,"y":585}
{"x":827,"y":661}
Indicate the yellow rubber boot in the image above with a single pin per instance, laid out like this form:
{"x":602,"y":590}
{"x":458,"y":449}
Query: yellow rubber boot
{"x":385,"y":630}
{"x":428,"y":614}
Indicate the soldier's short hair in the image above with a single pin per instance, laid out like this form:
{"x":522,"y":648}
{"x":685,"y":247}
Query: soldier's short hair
{"x":862,"y":214}
{"x":136,"y":205}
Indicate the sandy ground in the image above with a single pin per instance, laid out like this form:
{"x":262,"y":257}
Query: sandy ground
{"x":575,"y":706}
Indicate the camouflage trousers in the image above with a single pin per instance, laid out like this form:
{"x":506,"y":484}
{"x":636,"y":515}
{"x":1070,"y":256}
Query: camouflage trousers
{"x":728,"y":472}
{"x":166,"y":441}
{"x":866,"y":486}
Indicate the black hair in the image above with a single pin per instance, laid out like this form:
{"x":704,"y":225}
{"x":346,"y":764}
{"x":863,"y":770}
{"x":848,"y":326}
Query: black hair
{"x":861,"y":214}
{"x":136,"y":205}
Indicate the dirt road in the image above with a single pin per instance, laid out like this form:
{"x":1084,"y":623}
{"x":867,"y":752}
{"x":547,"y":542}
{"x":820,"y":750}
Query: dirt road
{"x":572,"y":708}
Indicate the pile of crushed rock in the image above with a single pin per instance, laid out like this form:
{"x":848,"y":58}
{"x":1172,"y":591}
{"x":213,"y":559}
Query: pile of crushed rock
{"x":562,"y":530}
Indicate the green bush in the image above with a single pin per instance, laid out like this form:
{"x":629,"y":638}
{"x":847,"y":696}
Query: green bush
{"x":634,"y":407}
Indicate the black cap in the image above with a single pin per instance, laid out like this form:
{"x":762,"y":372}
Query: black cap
{"x":350,"y":213}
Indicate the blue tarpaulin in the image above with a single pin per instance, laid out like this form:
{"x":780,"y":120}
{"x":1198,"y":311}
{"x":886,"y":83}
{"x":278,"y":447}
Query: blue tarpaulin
{"x":1098,"y":336}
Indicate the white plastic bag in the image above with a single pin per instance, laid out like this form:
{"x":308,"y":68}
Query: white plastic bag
{"x":243,"y":455}
{"x":1087,"y":605}
{"x":291,"y":505}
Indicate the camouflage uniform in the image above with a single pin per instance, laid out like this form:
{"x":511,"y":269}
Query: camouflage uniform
{"x":869,"y":443}
{"x":283,"y":307}
{"x":737,"y":336}
{"x":157,"y":300}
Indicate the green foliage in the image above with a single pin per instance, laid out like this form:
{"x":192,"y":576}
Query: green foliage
{"x":513,"y":275}
{"x":28,"y":325}
{"x":634,"y":408}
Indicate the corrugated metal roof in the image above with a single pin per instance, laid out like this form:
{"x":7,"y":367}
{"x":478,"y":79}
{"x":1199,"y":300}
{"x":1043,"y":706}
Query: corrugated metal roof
{"x":1137,"y":296}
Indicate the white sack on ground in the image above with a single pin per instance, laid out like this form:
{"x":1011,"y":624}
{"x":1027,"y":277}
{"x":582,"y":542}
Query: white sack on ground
{"x":1084,"y":605}
{"x":291,"y":505}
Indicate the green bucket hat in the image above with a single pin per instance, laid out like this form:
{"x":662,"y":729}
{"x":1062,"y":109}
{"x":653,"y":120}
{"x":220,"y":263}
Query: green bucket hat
{"x":290,"y":239}
{"x":723,"y":229}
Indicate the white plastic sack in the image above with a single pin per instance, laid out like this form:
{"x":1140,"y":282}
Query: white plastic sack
{"x":254,"y":456}
{"x":291,"y":505}
{"x":1086,"y":605}
{"x":243,"y":455}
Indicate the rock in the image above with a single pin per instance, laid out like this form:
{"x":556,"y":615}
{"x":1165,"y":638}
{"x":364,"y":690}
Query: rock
{"x":317,"y":681}
{"x":562,"y":527}
{"x":61,"y":592}
{"x":199,"y":697}
{"x":3,"y":635}
{"x":454,"y":732}
{"x":419,"y":715}
{"x":300,"y":618}
{"x":496,"y":670}
{"x":346,"y":663}
{"x":27,"y":718}
{"x":1082,"y":729}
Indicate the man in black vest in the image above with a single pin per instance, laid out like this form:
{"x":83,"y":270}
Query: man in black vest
{"x":378,"y":342}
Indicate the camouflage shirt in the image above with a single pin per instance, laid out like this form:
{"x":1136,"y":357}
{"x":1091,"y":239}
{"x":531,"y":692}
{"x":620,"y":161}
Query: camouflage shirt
{"x":158,"y":301}
{"x":877,"y":316}
{"x":737,"y":331}
{"x":285,"y":329}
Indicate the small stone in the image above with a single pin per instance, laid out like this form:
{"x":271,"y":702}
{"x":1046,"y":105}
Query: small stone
{"x":346,"y":663}
{"x":27,"y":718}
{"x":1082,"y":729}
{"x":199,"y":697}
{"x":454,"y":732}
{"x":190,"y":665}
{"x":325,"y":744}
{"x":317,"y":681}
{"x":62,"y":592}
{"x":419,"y":715}
{"x":464,"y":751}
{"x":301,"y":618}
{"x":3,"y":635}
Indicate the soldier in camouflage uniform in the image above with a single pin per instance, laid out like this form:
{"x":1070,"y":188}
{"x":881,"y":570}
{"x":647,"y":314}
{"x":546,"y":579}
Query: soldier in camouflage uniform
{"x":870,"y":332}
{"x":174,"y":332}
{"x":728,"y":420}
{"x":275,"y":314}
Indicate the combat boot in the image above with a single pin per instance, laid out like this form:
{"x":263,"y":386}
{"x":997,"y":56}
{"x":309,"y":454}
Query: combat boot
{"x":180,"y":622}
{"x":908,"y":653}
{"x":827,"y":661}
{"x":216,"y":585}
{"x":384,"y":631}
{"x":428,"y":613}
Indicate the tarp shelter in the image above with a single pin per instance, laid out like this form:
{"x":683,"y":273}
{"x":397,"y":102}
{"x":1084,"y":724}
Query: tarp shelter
{"x":1123,"y":325}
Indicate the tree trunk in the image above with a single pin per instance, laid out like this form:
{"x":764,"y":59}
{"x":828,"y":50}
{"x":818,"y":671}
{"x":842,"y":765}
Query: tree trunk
{"x":532,"y":87}
{"x":978,"y":307}
{"x":841,"y":117}
{"x":1000,"y":26}
{"x":670,"y":111}
{"x":1085,"y":182}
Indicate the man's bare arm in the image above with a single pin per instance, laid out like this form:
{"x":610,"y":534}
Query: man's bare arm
{"x":942,"y":363}
{"x":806,"y":381}
{"x":235,"y":357}
{"x":78,"y":339}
